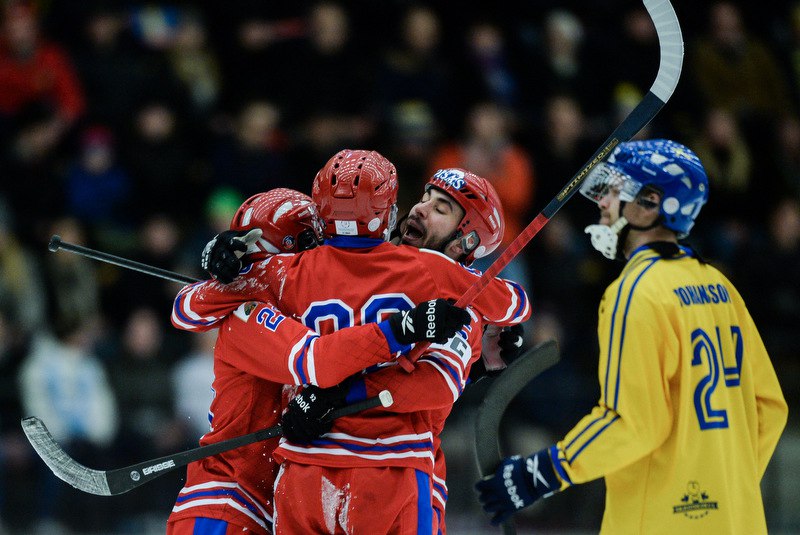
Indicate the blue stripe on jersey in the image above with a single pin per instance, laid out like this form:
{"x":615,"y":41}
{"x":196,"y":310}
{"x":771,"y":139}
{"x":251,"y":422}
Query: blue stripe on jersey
{"x":522,"y":298}
{"x":557,"y":465}
{"x":376,"y":448}
{"x":624,"y":326}
{"x":357,"y":392}
{"x":209,"y":526}
{"x":586,"y":429}
{"x":452,"y":372}
{"x":298,"y":363}
{"x":183,"y":317}
{"x":424,"y":503}
{"x":353,"y":242}
{"x":597,"y":434}
{"x":442,"y":490}
{"x":220,"y":492}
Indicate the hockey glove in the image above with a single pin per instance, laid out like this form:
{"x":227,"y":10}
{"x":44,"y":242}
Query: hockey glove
{"x":306,"y":417}
{"x":517,"y":483}
{"x":434,"y":321}
{"x":510,"y":342}
{"x":222,"y":255}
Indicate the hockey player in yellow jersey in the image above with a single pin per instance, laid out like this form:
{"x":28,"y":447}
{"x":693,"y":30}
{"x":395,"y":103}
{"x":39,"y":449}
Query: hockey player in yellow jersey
{"x":690,"y":409}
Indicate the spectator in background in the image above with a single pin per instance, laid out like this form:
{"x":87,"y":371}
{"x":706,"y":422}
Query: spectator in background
{"x":728,"y":161}
{"x":35,"y":72}
{"x":40,"y":101}
{"x":251,"y":158}
{"x":192,"y":376}
{"x":72,"y":279}
{"x":562,"y":63}
{"x":162,"y":163}
{"x":491,"y":66}
{"x":156,"y":245}
{"x":561,"y":146}
{"x":412,"y":136}
{"x":736,"y":71}
{"x":768,"y":274}
{"x":63,"y":382}
{"x":98,"y":188}
{"x":112,"y":67}
{"x":140,"y":374}
{"x":787,"y":156}
{"x":196,"y":65}
{"x":414,"y":69}
{"x":21,"y":288}
{"x":328,"y":53}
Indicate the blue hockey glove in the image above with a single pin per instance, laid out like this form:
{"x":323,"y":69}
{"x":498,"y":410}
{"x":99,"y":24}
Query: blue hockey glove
{"x":517,"y":483}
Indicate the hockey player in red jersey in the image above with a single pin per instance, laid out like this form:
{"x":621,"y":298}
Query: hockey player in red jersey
{"x":233,"y":491}
{"x":349,"y":190}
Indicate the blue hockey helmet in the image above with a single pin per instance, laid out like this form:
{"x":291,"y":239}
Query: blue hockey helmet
{"x":668,"y":167}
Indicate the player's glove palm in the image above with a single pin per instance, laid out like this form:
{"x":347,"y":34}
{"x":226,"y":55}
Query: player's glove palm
{"x":222,"y":255}
{"x":518,"y":482}
{"x":307,"y":416}
{"x":434,"y":321}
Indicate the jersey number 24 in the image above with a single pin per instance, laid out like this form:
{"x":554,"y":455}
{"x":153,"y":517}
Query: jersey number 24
{"x":708,"y":351}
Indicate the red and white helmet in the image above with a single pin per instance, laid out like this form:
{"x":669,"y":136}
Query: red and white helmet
{"x":356,"y":192}
{"x":481,"y":229}
{"x":289,"y":221}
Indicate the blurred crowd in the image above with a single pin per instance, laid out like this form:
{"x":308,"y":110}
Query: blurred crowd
{"x":137,"y":128}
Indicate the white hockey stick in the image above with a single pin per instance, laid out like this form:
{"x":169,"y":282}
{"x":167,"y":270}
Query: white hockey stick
{"x":669,"y":70}
{"x":121,"y":480}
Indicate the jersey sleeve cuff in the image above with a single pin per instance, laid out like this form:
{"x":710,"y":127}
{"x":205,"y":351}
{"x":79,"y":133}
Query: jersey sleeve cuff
{"x":555,"y":458}
{"x":394,"y":345}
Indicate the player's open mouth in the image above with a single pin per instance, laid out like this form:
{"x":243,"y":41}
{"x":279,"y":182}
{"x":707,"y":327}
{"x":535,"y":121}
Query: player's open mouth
{"x":414,"y":233}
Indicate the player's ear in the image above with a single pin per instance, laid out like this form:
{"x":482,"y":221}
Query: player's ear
{"x":454,"y":249}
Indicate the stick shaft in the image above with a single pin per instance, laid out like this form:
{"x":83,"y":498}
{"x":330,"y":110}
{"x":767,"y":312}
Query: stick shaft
{"x":56,"y":243}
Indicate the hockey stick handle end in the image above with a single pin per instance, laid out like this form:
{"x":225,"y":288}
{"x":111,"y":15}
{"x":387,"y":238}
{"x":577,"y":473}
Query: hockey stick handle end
{"x":55,"y":243}
{"x":385,"y":398}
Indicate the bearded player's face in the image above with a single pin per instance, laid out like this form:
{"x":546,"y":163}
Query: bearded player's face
{"x":432,"y":221}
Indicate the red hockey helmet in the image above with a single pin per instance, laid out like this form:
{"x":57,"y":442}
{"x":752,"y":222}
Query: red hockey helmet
{"x":289,"y":221}
{"x":481,"y":229}
{"x":356,"y":192}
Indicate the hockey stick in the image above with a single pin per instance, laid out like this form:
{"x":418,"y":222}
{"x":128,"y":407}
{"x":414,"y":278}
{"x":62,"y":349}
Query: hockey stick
{"x":669,"y":70}
{"x":56,"y":243}
{"x":502,"y":390}
{"x":121,"y":480}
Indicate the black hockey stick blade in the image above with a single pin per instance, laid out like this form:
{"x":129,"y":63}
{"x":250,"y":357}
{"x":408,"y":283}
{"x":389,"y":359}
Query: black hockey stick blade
{"x":503,"y":389}
{"x":122,"y":480}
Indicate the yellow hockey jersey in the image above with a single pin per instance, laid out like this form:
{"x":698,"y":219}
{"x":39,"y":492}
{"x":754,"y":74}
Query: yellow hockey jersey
{"x":690,"y":409}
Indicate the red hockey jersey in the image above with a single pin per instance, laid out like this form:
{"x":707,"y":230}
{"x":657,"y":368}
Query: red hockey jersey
{"x":253,"y":358}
